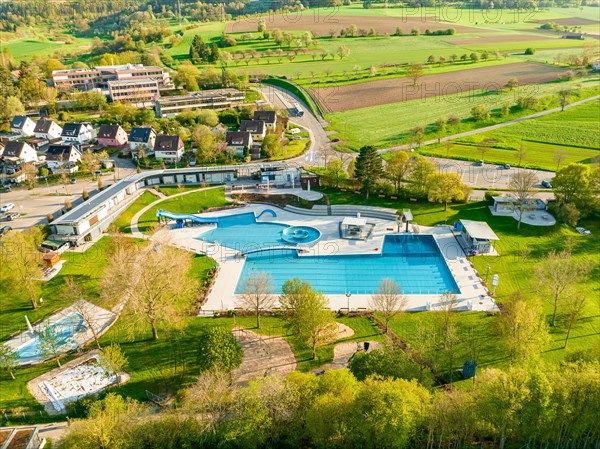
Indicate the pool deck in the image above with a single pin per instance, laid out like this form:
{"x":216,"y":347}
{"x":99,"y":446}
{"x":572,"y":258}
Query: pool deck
{"x":474,"y":295}
{"x":102,"y":317}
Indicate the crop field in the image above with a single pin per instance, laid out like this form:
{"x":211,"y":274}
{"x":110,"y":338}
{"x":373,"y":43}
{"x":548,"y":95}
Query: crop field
{"x":390,"y":124}
{"x":374,"y":93}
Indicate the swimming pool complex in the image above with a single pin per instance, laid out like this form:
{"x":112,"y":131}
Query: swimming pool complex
{"x":243,"y":233}
{"x":65,"y":329}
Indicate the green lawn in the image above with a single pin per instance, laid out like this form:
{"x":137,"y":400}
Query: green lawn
{"x":390,"y":124}
{"x":174,"y":190}
{"x":123,"y":223}
{"x":538,"y":155}
{"x":190,"y":203}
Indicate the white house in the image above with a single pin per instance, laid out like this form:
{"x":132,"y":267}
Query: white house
{"x":596,"y":65}
{"x":257,"y":128}
{"x":269,"y":117}
{"x":142,"y":139}
{"x":168,"y":148}
{"x":47,"y":129}
{"x":238,"y":141}
{"x":23,"y":125}
{"x":77,"y":133}
{"x":62,"y":158}
{"x":19,"y":153}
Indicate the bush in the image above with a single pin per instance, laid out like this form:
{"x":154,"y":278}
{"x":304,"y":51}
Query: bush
{"x":227,"y":41}
{"x":528,"y":102}
{"x":569,"y":213}
{"x":50,"y":218}
{"x":480,"y":113}
{"x":530,"y":51}
{"x":453,"y":119}
{"x":219,"y":349}
{"x":85,"y":195}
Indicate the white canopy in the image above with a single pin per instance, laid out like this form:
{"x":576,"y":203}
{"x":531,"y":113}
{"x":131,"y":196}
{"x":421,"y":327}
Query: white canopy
{"x":479,"y":230}
{"x":354,"y":221}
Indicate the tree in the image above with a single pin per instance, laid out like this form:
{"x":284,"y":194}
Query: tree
{"x":388,"y":300}
{"x":307,"y":313}
{"x":207,"y":117}
{"x":574,"y":309}
{"x":564,"y":96}
{"x":50,"y":343}
{"x":271,"y":145}
{"x":203,"y":137}
{"x":474,"y":57}
{"x":9,"y":107}
{"x":441,"y":124}
{"x":343,"y":51}
{"x":257,"y":294}
{"x":113,"y":360}
{"x":512,"y":83}
{"x":557,"y":275}
{"x":521,"y":185}
{"x":218,"y":349}
{"x":22,"y":265}
{"x":155,"y":282}
{"x":187,"y":76}
{"x":397,"y":168}
{"x":420,"y":171}
{"x":521,"y":152}
{"x":522,"y":327}
{"x":73,"y":292}
{"x":9,"y":360}
{"x":445,"y":188}
{"x":90,"y":161}
{"x":335,"y":172}
{"x":415,"y":71}
{"x":480,"y":113}
{"x":368,"y":168}
{"x":574,"y":184}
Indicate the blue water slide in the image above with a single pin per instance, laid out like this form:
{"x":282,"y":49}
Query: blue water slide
{"x":181,"y":217}
{"x":266,"y":211}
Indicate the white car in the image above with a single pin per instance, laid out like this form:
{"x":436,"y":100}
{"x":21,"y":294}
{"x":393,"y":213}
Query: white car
{"x":7,"y":207}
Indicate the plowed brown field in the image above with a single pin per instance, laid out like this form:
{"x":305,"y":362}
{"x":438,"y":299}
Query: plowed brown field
{"x":373,"y":93}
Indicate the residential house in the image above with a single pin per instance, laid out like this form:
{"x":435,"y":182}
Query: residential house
{"x":257,"y":128}
{"x":596,"y":65}
{"x":219,"y":128}
{"x":168,"y":148}
{"x":47,"y":129}
{"x":142,"y":139}
{"x":269,"y":117}
{"x":62,"y":157}
{"x":239,"y":141}
{"x":23,"y":125}
{"x":112,"y":136}
{"x":18,"y":153}
{"x":77,"y":133}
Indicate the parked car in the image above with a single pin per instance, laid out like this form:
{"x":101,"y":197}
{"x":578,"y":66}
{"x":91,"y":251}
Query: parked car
{"x":73,"y":180}
{"x":335,"y":140}
{"x":479,"y":163}
{"x":98,"y":172}
{"x":7,"y":207}
{"x":4,"y":230}
{"x":546,"y":184}
{"x":506,"y":166}
{"x":6,"y":188}
{"x":13,"y":216}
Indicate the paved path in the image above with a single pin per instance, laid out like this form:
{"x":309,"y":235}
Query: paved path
{"x":134,"y":221}
{"x":489,"y":128}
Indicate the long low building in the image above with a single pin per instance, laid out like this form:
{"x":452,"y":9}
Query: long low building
{"x":88,"y":221}
{"x":204,"y":99}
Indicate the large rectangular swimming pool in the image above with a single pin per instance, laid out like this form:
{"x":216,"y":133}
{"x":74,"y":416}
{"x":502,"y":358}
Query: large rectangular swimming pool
{"x":413,"y":261}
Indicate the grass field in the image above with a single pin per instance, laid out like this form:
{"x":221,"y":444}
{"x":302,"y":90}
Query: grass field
{"x":390,"y":124}
{"x":191,"y":204}
{"x":123,"y":223}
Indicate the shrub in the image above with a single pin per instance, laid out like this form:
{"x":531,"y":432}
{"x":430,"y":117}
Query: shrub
{"x":453,"y":119}
{"x":219,"y":349}
{"x":50,"y":218}
{"x":85,"y":195}
{"x":530,"y":51}
{"x":68,"y":205}
{"x":227,"y":41}
{"x":569,"y":213}
{"x":480,"y":113}
{"x":528,"y":102}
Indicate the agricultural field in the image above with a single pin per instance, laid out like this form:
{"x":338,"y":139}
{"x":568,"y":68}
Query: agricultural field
{"x":374,"y":93}
{"x":391,"y":124}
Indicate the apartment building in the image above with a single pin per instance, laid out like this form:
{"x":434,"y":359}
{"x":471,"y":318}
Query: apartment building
{"x":136,"y":90}
{"x":204,"y":99}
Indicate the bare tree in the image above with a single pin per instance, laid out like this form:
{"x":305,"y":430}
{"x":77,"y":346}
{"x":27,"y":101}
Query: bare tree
{"x":574,"y":310}
{"x":521,"y":153}
{"x":50,"y":343}
{"x":522,"y":185}
{"x":557,"y":275}
{"x":559,"y":157}
{"x":448,"y":301}
{"x":72,"y":291}
{"x":257,"y":294}
{"x":483,"y":147}
{"x":524,"y":253}
{"x":389,"y":300}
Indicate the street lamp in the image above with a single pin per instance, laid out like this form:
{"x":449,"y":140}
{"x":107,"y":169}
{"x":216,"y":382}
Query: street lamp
{"x":348,"y":294}
{"x":487,"y":273}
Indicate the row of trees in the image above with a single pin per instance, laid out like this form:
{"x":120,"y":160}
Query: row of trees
{"x":533,"y":405}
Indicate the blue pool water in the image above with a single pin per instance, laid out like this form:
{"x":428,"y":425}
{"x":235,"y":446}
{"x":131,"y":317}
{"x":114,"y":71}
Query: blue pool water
{"x":65,"y":328}
{"x":413,"y":261}
{"x":242,"y":232}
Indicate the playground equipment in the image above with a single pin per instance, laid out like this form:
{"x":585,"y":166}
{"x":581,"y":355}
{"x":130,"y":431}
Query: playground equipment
{"x":266,"y":211}
{"x":181,"y":218}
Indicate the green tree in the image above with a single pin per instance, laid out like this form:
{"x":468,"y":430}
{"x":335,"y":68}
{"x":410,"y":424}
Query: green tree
{"x":335,"y":172}
{"x":208,"y":117}
{"x":421,"y":169}
{"x":9,"y":360}
{"x":397,"y":168}
{"x":445,"y":188}
{"x":368,"y":168}
{"x":294,"y":293}
{"x":9,"y":107}
{"x":218,"y":349}
{"x":574,"y":184}
{"x":480,"y":113}
{"x":564,"y":96}
{"x":415,"y":71}
{"x":343,"y":51}
{"x":512,"y":83}
{"x":271,"y":145}
{"x":187,"y":76}
{"x":113,"y":360}
{"x":50,"y":343}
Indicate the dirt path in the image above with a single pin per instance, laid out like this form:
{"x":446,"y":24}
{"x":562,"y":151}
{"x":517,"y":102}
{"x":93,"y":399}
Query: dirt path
{"x":343,"y":352}
{"x":262,"y":356}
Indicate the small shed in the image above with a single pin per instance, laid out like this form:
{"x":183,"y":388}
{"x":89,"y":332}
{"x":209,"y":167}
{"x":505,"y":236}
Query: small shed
{"x":478,"y":235}
{"x":504,"y":204}
{"x":353,"y":227}
{"x":51,"y":259}
{"x":309,"y":180}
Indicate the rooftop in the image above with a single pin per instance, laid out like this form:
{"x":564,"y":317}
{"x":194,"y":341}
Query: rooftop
{"x":479,"y":230}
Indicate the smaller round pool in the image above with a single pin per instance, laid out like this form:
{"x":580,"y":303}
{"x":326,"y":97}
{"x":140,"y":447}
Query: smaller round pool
{"x":300,"y":234}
